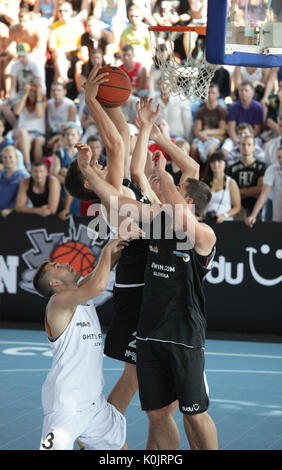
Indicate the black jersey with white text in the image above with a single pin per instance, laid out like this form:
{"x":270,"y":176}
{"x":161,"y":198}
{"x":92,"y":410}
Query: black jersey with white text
{"x":173,"y":307}
{"x":131,"y":266}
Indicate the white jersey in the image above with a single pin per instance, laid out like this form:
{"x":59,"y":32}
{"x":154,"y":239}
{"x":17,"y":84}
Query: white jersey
{"x":76,"y":377}
{"x":58,"y":115}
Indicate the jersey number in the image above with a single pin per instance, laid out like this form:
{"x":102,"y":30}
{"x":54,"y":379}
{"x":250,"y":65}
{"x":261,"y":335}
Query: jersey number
{"x":50,"y":440}
{"x":132,"y":344}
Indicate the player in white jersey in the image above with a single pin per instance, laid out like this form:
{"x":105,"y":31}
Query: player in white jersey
{"x":72,"y":395}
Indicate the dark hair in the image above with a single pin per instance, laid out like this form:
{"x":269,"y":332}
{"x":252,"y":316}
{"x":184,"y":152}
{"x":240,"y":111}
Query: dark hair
{"x":38,"y":163}
{"x":216,"y":156}
{"x":74,"y":184}
{"x":246,"y":83}
{"x":215,"y":85}
{"x":40,"y":282}
{"x":127,"y":47}
{"x":245,"y":125}
{"x":93,"y":138}
{"x":200,"y":193}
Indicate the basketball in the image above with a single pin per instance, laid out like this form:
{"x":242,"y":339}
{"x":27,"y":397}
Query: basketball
{"x":116,"y":91}
{"x":78,"y":255}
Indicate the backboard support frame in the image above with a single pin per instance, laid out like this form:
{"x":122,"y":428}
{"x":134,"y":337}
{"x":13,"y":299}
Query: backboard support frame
{"x":240,"y":55}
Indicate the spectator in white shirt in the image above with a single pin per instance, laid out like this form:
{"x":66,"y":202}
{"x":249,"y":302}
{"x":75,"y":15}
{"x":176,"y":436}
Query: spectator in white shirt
{"x":270,"y":150}
{"x":272,"y":181}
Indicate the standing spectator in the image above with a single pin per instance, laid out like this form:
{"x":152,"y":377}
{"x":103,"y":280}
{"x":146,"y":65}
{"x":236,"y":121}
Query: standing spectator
{"x":135,"y":70}
{"x":226,"y":200}
{"x":248,"y":173}
{"x":246,"y":109}
{"x":30,"y":130}
{"x":10,"y":179}
{"x":210,"y":127}
{"x":137,"y":35}
{"x":272,"y":181}
{"x":47,"y":8}
{"x":25,"y":70}
{"x":42,"y":190}
{"x":64,"y":42}
{"x":177,"y":112}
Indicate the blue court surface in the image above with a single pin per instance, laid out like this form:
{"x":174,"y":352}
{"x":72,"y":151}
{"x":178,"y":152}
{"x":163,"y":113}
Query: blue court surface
{"x":244,"y":378}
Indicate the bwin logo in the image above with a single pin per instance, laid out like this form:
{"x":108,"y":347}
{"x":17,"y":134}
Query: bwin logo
{"x":191,"y":409}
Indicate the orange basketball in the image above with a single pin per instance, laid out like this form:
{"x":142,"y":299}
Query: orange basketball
{"x":78,"y":256}
{"x":116,"y":91}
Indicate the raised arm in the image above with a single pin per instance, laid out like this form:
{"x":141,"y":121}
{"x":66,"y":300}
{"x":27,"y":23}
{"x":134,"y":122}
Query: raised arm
{"x":201,"y":234}
{"x":107,"y":130}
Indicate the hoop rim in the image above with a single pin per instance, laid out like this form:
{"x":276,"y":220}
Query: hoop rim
{"x":201,"y":30}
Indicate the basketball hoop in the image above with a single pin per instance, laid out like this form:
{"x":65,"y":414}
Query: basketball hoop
{"x":191,"y":79}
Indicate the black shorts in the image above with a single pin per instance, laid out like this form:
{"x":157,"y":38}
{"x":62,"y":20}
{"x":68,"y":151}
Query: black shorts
{"x":120,"y":342}
{"x":167,"y":372}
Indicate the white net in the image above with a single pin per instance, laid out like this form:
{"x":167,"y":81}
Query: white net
{"x":191,"y":78}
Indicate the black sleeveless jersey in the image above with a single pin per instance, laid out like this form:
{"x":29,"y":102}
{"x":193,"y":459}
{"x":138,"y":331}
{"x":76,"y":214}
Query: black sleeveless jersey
{"x":131,"y":266}
{"x":173,"y":307}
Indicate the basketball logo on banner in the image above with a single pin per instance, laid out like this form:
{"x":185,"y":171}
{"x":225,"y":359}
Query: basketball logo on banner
{"x":79,"y":248}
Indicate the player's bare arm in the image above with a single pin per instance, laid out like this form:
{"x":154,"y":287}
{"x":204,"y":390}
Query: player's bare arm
{"x":202,"y":234}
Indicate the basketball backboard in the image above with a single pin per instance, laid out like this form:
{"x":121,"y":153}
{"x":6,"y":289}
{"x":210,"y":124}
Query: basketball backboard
{"x":244,"y":32}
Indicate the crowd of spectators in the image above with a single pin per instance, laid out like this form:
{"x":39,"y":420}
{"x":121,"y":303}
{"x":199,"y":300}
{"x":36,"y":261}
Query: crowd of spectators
{"x":48,"y":48}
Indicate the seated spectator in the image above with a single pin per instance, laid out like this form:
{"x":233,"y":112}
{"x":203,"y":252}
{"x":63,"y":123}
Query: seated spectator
{"x":272,"y":182}
{"x":248,"y":173}
{"x":24,"y":70}
{"x":64,"y":42}
{"x":42,"y":190}
{"x":171,"y":167}
{"x":177,"y":113}
{"x":137,"y":35}
{"x":210,"y":127}
{"x":274,"y":108}
{"x":97,"y":149}
{"x":136,"y":72}
{"x":30,"y":130}
{"x":4,"y":141}
{"x":60,"y":110}
{"x":6,"y":55}
{"x":97,"y":37}
{"x":172,"y":13}
{"x":28,"y":31}
{"x":10,"y":178}
{"x":129,"y":108}
{"x":165,"y":131}
{"x":222,"y":78}
{"x":235,"y":154}
{"x":271,"y":147}
{"x":257,"y":76}
{"x":83,"y":68}
{"x":48,"y":9}
{"x":246,"y":109}
{"x":61,"y":160}
{"x":226,"y":199}
{"x":113,"y":14}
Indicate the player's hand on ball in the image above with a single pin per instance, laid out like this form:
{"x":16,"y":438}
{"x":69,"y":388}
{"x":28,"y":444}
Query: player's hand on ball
{"x":93,"y":82}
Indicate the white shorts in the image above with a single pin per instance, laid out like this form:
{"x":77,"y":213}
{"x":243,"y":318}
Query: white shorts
{"x":99,"y":427}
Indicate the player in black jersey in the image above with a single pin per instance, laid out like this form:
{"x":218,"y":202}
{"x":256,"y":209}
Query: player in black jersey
{"x":172,"y":323}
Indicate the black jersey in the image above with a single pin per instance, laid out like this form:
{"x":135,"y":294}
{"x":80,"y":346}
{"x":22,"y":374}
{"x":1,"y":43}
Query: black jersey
{"x":245,"y":177}
{"x":173,"y":306}
{"x":131,"y":266}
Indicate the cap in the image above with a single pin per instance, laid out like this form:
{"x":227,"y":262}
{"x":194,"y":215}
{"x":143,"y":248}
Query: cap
{"x":23,"y":48}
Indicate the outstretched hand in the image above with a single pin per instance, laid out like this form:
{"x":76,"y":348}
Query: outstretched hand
{"x":146,"y":115}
